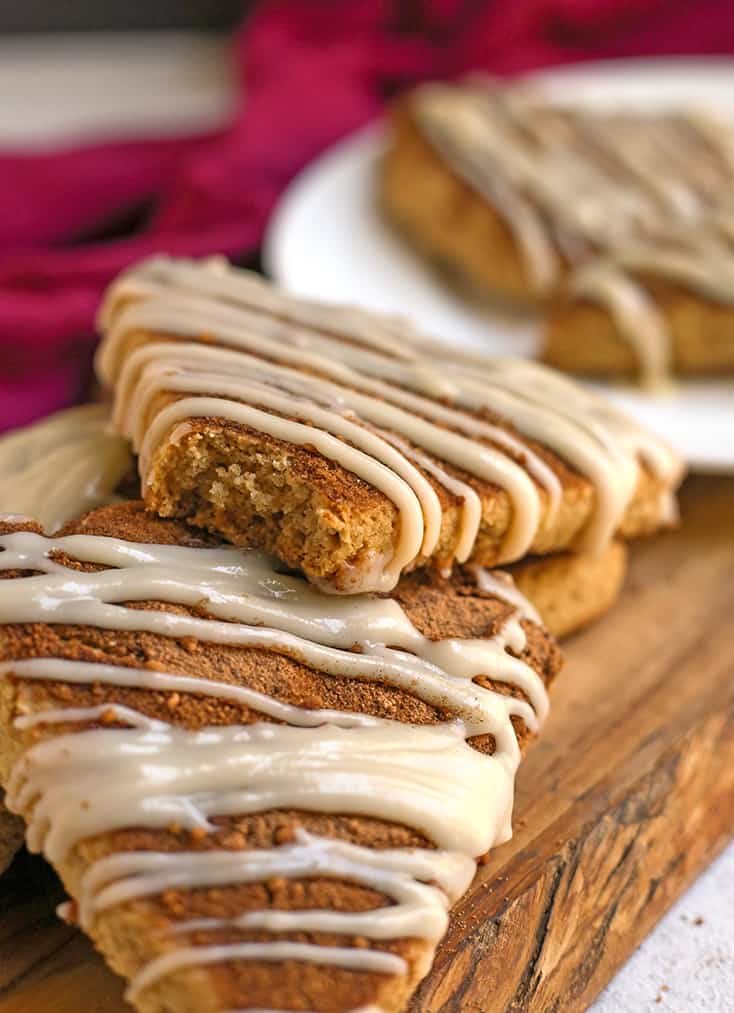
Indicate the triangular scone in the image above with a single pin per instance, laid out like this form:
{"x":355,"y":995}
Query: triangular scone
{"x":257,"y":795}
{"x":352,"y":448}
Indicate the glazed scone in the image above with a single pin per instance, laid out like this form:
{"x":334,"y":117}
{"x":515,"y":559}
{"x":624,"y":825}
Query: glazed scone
{"x":522,"y":198}
{"x":353,"y":448}
{"x":257,"y":816}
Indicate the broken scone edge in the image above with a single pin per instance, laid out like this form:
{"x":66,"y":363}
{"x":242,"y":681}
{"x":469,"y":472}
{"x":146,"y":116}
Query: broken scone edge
{"x":327,"y":522}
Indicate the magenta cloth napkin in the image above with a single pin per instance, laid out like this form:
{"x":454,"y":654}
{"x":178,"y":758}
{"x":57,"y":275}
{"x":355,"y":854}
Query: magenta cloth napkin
{"x":310,"y":71}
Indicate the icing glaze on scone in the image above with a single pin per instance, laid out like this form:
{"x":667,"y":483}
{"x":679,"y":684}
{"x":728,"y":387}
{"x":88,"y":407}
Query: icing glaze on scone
{"x":62,"y":466}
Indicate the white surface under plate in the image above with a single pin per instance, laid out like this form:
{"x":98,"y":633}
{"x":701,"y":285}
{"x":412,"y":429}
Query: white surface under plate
{"x":326,"y":240}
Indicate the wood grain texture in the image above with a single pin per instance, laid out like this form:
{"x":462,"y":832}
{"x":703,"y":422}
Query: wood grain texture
{"x":628,"y":794}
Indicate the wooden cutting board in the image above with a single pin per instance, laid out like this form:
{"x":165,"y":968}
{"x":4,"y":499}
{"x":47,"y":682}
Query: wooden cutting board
{"x":628,"y":794}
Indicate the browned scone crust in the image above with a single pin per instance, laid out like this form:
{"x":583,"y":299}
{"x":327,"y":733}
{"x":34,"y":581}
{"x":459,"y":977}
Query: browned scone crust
{"x":129,"y":935}
{"x":320,"y":518}
{"x":444,"y":218}
{"x":582,"y":337}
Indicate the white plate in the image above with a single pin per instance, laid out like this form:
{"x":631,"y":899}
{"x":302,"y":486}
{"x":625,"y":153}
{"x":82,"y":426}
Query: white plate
{"x":327,"y":241}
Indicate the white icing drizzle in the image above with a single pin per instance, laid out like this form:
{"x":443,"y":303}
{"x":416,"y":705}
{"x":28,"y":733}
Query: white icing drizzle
{"x":238,"y":349}
{"x":283,"y":613}
{"x":471,"y":504}
{"x":703,"y":264}
{"x":378,"y":961}
{"x":132,"y":770}
{"x":81,"y":672}
{"x":502,"y":586}
{"x":404,"y":875}
{"x":57,"y":469}
{"x":426,"y":777}
{"x":637,"y":317}
{"x":650,"y":196}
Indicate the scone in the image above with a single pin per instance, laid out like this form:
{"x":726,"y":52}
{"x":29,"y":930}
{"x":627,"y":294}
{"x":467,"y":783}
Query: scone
{"x":523,"y":198}
{"x":258,"y":796}
{"x":353,"y":448}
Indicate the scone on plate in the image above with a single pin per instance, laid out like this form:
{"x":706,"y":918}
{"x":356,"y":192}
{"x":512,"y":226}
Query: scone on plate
{"x":629,"y":215}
